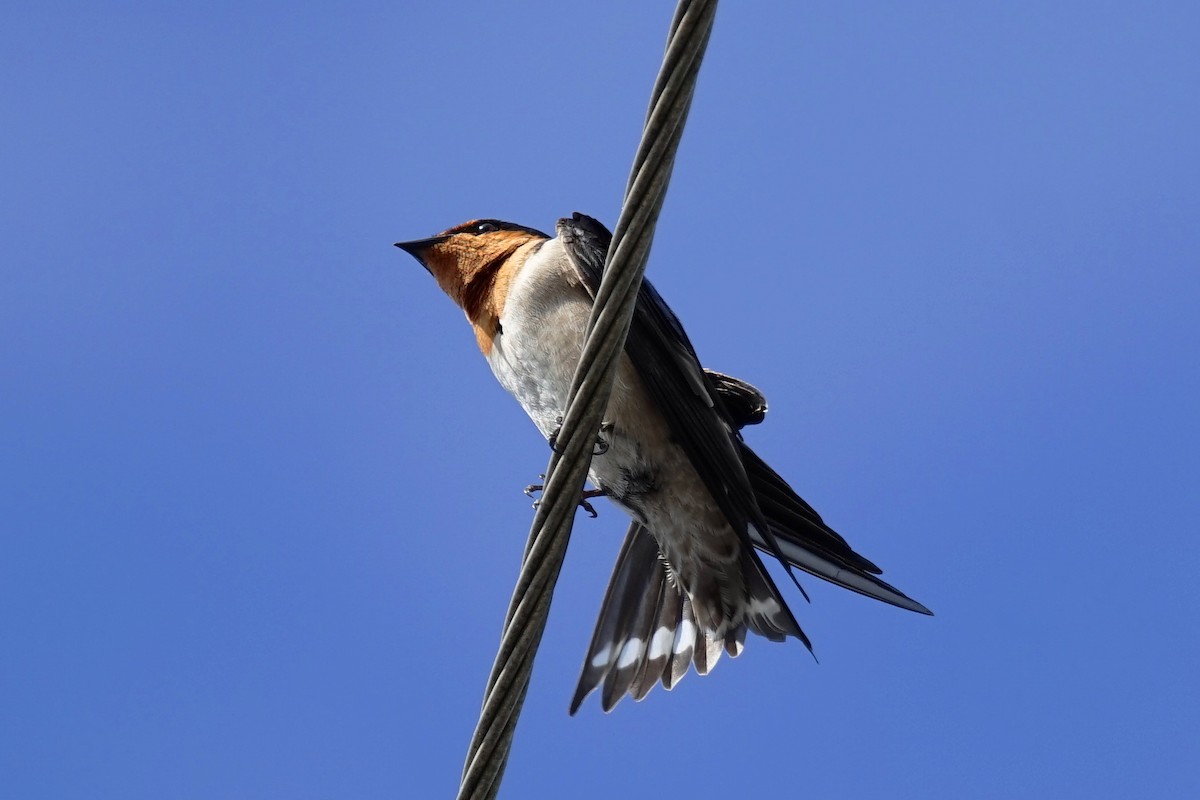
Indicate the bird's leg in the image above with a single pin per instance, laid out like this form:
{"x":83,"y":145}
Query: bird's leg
{"x":535,"y":487}
{"x":585,"y":495}
{"x":553,"y":437}
{"x":602,"y":444}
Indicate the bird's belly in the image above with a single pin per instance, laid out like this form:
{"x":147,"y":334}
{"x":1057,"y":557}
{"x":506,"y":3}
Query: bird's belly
{"x":637,"y":463}
{"x":534,"y":359}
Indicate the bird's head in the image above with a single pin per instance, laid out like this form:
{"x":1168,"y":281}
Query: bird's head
{"x":467,"y":255}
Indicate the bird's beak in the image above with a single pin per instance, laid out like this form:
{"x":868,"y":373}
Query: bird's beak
{"x":418,"y":247}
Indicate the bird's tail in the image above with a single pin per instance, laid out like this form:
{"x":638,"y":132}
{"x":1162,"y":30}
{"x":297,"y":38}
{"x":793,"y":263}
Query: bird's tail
{"x":647,"y":631}
{"x":766,"y":612}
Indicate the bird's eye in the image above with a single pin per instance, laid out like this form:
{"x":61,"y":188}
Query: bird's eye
{"x":485,"y":227}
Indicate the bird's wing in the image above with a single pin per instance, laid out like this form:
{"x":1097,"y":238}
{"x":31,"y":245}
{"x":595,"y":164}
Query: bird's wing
{"x":806,"y":541}
{"x":667,"y":364}
{"x":745,"y":404}
{"x":700,"y":407}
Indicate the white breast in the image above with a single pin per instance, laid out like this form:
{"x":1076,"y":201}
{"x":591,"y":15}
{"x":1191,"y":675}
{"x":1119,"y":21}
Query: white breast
{"x":541,"y":335}
{"x":642,"y":469}
{"x":534,"y":358}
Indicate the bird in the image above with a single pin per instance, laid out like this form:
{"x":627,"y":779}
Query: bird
{"x":689,"y":582}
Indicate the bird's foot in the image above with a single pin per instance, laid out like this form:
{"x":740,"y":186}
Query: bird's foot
{"x":584,"y":496}
{"x":602,"y":444}
{"x":533,"y":488}
{"x":553,"y":437}
{"x":588,"y":494}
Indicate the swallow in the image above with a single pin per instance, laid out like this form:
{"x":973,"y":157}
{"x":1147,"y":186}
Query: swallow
{"x":689,"y":582}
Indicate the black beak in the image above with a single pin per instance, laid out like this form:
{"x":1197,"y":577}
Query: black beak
{"x":417,"y":247}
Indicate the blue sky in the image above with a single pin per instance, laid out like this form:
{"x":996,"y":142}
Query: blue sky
{"x":261,"y":498}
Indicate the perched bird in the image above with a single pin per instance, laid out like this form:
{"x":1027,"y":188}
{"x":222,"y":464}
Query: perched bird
{"x":688,"y":582}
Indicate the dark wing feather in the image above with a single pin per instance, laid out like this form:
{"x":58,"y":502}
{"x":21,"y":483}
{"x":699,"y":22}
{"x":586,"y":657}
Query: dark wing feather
{"x":808,"y":543}
{"x":745,"y":404}
{"x":667,"y":364}
{"x":704,"y":411}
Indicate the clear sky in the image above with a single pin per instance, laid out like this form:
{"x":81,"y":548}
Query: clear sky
{"x":260,"y":497}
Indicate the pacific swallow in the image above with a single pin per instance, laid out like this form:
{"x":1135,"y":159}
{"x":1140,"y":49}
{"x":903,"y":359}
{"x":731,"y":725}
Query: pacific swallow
{"x":688,"y":582}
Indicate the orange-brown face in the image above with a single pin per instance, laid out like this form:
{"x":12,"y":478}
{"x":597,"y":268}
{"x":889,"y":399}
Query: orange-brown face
{"x":473,"y":264}
{"x":459,"y":256}
{"x":465,"y":256}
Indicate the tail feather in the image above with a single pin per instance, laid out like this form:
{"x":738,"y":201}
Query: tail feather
{"x":767,"y":614}
{"x":647,"y":631}
{"x":632,"y":642}
{"x":683,"y":644}
{"x":656,"y":666}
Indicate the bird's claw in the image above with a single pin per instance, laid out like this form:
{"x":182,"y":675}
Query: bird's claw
{"x":602,"y":444}
{"x":553,"y":437}
{"x":586,"y":495}
{"x":532,"y":488}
